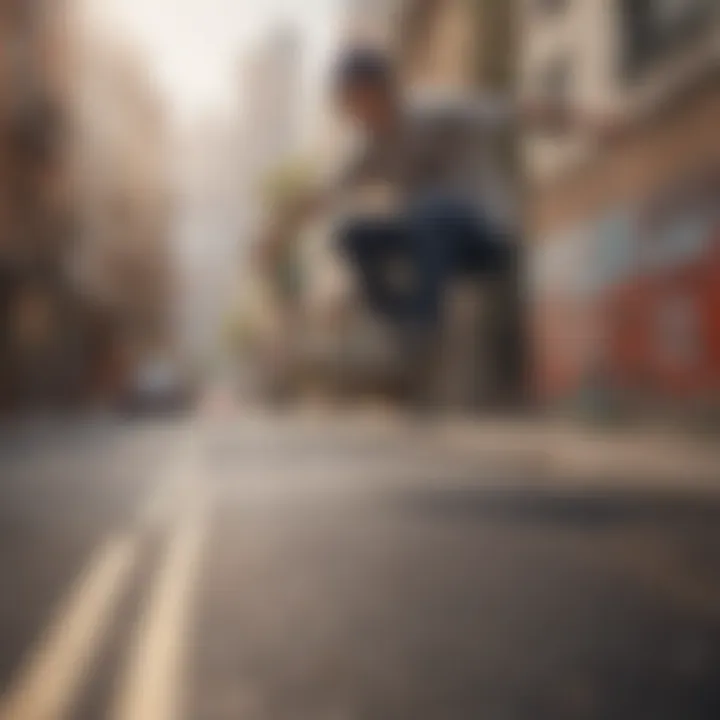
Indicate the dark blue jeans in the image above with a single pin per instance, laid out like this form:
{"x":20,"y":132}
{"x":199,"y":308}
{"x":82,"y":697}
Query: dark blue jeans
{"x":436,"y":240}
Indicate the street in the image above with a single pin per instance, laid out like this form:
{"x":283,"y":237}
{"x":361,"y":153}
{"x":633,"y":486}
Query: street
{"x":327,"y":567}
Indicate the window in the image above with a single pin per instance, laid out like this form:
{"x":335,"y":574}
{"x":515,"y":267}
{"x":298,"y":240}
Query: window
{"x":680,"y":223}
{"x":655,"y":29}
{"x":556,"y":78}
{"x":550,"y":7}
{"x":670,"y":14}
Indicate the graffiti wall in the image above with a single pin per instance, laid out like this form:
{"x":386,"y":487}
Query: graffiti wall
{"x":663,"y":315}
{"x":629,"y":302}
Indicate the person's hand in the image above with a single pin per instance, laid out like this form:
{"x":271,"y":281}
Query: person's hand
{"x":608,"y":126}
{"x":379,"y":199}
{"x":258,"y":255}
{"x":266,"y":248}
{"x":558,"y":117}
{"x":313,"y":203}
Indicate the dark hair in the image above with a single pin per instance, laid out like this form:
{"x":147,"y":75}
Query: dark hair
{"x":363,"y":66}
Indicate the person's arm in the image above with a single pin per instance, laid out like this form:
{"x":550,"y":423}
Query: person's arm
{"x":552,"y":116}
{"x":276,"y":237}
{"x":340,"y":184}
{"x":266,"y":249}
{"x":557,"y":117}
{"x":283,"y":227}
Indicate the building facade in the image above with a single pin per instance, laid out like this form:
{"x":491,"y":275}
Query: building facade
{"x":369,"y":22}
{"x":270,"y":104}
{"x":460,"y":45}
{"x":624,"y":236}
{"x":122,"y":264}
{"x":36,"y":302}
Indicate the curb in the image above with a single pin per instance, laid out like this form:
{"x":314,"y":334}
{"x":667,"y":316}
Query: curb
{"x":573,"y":457}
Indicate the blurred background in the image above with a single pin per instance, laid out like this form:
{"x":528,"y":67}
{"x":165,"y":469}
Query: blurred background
{"x":146,"y":149}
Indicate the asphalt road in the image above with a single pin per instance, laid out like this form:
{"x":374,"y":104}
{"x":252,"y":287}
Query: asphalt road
{"x":288,"y":569}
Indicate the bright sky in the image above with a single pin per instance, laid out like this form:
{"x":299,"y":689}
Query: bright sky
{"x":195,"y":47}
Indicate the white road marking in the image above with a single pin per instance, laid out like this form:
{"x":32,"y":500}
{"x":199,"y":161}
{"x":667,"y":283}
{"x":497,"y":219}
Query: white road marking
{"x":151,"y":688}
{"x":159,"y":504}
{"x":173,"y":487}
{"x":47,"y":684}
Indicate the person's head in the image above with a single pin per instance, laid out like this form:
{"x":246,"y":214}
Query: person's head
{"x":365,"y":89}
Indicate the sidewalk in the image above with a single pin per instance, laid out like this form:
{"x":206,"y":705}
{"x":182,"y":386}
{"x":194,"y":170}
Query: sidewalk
{"x":550,"y":455}
{"x":584,"y":458}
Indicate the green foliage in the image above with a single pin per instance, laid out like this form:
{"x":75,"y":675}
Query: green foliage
{"x":287,"y":183}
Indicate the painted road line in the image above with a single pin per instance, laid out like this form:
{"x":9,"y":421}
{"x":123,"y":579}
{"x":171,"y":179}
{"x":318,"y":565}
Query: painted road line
{"x":157,"y":509}
{"x":160,"y":505}
{"x":165,"y":499}
{"x":49,"y":682}
{"x":151,"y":686}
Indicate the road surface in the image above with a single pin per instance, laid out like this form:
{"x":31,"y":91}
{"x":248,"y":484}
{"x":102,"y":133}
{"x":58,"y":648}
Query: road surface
{"x":268,"y":568}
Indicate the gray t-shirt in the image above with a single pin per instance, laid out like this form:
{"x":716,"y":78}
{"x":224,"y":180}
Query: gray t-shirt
{"x":448,"y":148}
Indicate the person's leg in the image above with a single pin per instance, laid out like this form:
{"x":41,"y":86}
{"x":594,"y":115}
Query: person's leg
{"x":484,"y":249}
{"x":446,"y":238}
{"x":428,"y":241}
{"x":432,"y":233}
{"x":436,"y":232}
{"x":371,"y":245}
